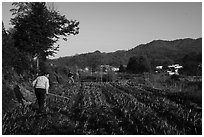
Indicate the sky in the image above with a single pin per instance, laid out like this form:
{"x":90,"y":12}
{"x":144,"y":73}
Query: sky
{"x":112,"y":26}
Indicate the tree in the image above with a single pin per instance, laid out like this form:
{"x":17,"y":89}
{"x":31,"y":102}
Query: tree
{"x":11,"y":57}
{"x":191,"y":63}
{"x":138,"y":64}
{"x":8,"y":50}
{"x":38,"y":28}
{"x":94,"y":61}
{"x":122,"y":68}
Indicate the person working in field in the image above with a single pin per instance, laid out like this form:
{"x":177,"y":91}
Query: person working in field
{"x":78,"y":76}
{"x":41,"y":85}
{"x":70,"y":77}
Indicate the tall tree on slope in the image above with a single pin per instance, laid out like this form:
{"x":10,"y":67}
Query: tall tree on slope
{"x":39,"y":28}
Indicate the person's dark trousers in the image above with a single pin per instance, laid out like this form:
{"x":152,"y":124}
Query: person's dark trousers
{"x":40,"y":95}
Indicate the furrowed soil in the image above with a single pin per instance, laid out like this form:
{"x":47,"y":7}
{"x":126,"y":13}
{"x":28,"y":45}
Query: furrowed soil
{"x":112,"y":108}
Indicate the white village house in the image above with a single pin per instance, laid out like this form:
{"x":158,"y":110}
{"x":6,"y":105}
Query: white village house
{"x":158,"y":68}
{"x":173,"y":69}
{"x":106,"y":68}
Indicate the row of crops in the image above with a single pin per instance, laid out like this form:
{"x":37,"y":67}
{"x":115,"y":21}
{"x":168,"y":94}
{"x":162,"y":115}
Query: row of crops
{"x":108,"y":108}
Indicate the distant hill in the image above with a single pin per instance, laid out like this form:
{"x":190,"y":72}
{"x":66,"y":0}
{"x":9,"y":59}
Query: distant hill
{"x":159,"y":52}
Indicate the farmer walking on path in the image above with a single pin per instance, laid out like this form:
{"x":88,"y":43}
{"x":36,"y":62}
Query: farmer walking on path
{"x":41,"y":85}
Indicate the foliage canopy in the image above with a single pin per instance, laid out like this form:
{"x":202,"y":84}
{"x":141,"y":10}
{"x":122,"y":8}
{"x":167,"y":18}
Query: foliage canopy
{"x":38,"y":28}
{"x":138,"y":64}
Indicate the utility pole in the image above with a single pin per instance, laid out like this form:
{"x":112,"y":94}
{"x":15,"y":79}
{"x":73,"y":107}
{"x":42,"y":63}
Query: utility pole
{"x":36,"y":58}
{"x":101,"y":69}
{"x":101,"y":73}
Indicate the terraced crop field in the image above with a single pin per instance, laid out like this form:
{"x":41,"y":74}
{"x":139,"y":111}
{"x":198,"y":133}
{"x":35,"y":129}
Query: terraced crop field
{"x":109,"y":109}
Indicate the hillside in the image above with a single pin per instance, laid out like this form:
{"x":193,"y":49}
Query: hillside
{"x":159,"y":52}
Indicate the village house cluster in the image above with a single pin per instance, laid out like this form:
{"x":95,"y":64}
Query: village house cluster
{"x":101,"y":68}
{"x":171,"y":69}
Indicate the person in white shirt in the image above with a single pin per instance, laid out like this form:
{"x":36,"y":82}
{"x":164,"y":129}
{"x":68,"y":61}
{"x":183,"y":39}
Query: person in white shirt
{"x":41,"y":85}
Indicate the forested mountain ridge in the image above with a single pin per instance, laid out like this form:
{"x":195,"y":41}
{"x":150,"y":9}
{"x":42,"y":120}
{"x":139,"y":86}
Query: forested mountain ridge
{"x":159,"y":52}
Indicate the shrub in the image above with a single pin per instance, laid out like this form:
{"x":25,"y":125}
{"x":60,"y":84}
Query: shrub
{"x":138,"y":64}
